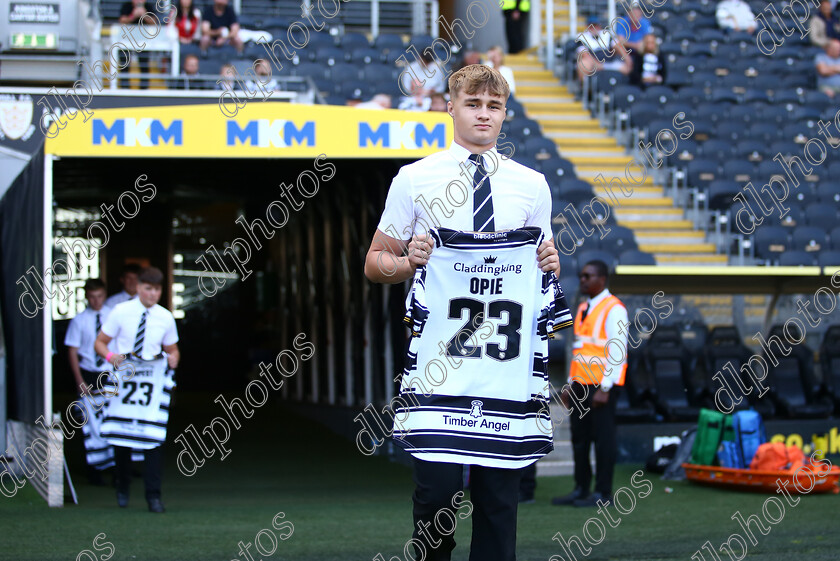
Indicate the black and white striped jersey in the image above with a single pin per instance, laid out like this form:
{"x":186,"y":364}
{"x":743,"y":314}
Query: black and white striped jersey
{"x":474,"y":386}
{"x":136,"y":417}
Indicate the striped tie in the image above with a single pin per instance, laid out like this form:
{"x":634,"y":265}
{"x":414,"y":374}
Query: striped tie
{"x":482,"y":202}
{"x":99,"y":360}
{"x":141,"y":336}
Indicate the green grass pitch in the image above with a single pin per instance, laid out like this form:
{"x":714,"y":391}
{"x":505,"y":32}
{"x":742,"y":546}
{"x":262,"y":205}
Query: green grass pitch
{"x":345,"y":506}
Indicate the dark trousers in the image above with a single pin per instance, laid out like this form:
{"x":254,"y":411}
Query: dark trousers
{"x":597,"y":426}
{"x":529,"y":481}
{"x":152,"y":468}
{"x":494,"y":494}
{"x":515,"y":31}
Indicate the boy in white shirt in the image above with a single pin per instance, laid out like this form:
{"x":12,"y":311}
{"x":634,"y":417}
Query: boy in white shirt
{"x":142,"y":329}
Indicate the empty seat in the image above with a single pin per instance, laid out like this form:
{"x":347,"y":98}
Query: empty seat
{"x":830,"y":363}
{"x":389,"y":41}
{"x":636,"y":257}
{"x":701,"y":172}
{"x":585,"y":257}
{"x":820,"y":215}
{"x":540,"y":148}
{"x":354,"y":40}
{"x":791,"y":377}
{"x":620,"y":239}
{"x":770,"y":242}
{"x":828,"y":258}
{"x":557,"y":169}
{"x":721,"y":193}
{"x":795,"y":258}
{"x":809,"y":238}
{"x":668,"y":362}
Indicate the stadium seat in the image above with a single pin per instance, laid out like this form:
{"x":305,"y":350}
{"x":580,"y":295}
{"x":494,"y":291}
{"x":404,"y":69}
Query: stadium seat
{"x":354,"y":41}
{"x":834,"y":238}
{"x":583,"y":257}
{"x":540,"y":148}
{"x":379,"y":73}
{"x":636,"y":257}
{"x":633,"y":406}
{"x":389,"y":41}
{"x":576,"y":190}
{"x":332,"y":56}
{"x":557,"y":169}
{"x":312,"y":69}
{"x":791,"y":379}
{"x":716,"y":149}
{"x":739,"y":171}
{"x":721,"y":193}
{"x":343,"y":72}
{"x":365,"y":55}
{"x":724,"y":355}
{"x":667,"y":360}
{"x":828,"y":258}
{"x":830,"y":364}
{"x":770,"y":242}
{"x":701,"y":172}
{"x":619,"y":239}
{"x":752,"y":150}
{"x":820,"y":215}
{"x":420,"y":42}
{"x":523,"y":128}
{"x":809,"y":239}
{"x":795,"y":258}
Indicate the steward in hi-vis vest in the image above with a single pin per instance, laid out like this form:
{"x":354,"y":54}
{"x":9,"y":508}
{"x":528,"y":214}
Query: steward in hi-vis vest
{"x":599,"y":363}
{"x":516,"y":20}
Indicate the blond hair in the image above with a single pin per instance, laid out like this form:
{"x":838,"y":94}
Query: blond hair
{"x":478,"y":78}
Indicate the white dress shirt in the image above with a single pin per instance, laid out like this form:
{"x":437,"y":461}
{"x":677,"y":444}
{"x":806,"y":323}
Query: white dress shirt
{"x":123,"y":322}
{"x":118,"y":298}
{"x":617,"y":314}
{"x":442,"y":184}
{"x":436,"y":83}
{"x":81,"y":334}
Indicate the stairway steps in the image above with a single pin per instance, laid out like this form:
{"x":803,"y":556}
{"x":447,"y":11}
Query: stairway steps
{"x":684,"y":260}
{"x":675,"y":248}
{"x":638,"y":193}
{"x":671,"y":223}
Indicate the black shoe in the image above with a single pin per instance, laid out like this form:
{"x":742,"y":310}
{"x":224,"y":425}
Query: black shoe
{"x":569,"y":499}
{"x":155,"y":505}
{"x":122,"y":499}
{"x":592,"y":500}
{"x":526,"y":499}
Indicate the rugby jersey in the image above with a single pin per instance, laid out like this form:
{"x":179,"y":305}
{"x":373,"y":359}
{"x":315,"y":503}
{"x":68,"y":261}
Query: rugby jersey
{"x":474,"y":386}
{"x":136,"y":417}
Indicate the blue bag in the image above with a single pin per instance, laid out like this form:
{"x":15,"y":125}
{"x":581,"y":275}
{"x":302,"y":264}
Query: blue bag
{"x":749,"y":435}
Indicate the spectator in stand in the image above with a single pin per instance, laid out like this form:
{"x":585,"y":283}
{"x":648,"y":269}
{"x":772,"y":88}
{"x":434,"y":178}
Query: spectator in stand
{"x":264,"y":70}
{"x":824,"y":25}
{"x":187,"y":21}
{"x":633,"y":28}
{"x":735,"y":14}
{"x":599,"y":51}
{"x":419,"y":99}
{"x":188,"y":79}
{"x":828,"y":69}
{"x":379,"y":101}
{"x":220,"y":26}
{"x":227,"y":78}
{"x":130,"y":14}
{"x":648,"y":65}
{"x":496,"y":59}
{"x":420,"y":71}
{"x":438,"y":102}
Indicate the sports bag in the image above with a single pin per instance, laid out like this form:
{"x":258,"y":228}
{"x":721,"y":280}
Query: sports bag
{"x":709,"y":430}
{"x":775,"y":456}
{"x":749,"y":435}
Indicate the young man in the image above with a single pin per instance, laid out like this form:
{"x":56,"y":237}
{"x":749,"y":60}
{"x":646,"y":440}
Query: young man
{"x":128,"y":280}
{"x":136,"y":416}
{"x":86,"y":366}
{"x":595,"y":383}
{"x":220,"y":26}
{"x":504,"y":195}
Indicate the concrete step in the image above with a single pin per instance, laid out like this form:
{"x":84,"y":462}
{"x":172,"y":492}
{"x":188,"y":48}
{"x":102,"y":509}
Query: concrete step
{"x":603,"y":164}
{"x":628,"y":214}
{"x":535,"y":82}
{"x":638,"y":192}
{"x":571,"y":126}
{"x":672,"y":236}
{"x":545,"y":98}
{"x":534,"y":75}
{"x":557,"y":132}
{"x":541,"y":90}
{"x":684,"y":260}
{"x":581,"y":151}
{"x":670,"y":223}
{"x":641,"y":202}
{"x":589,"y":177}
{"x":678,"y":248}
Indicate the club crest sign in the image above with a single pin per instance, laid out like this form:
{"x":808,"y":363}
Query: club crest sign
{"x":16,"y":117}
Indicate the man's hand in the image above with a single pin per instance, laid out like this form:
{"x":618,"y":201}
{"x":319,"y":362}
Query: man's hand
{"x":172,"y":360}
{"x":600,"y":398}
{"x":547,"y":257}
{"x":420,"y":249}
{"x":566,"y":397}
{"x":138,"y":12}
{"x":116,"y":359}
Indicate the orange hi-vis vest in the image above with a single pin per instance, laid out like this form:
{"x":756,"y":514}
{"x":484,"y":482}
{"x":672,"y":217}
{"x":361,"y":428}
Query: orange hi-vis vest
{"x":589,"y":353}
